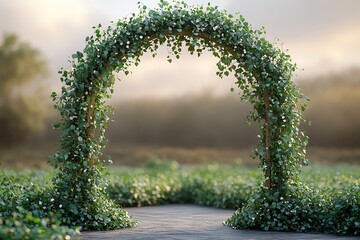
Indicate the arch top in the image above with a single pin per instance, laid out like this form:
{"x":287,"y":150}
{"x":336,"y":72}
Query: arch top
{"x":199,"y":27}
{"x":263,"y":73}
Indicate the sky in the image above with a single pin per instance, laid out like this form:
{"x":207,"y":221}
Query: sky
{"x":322,"y":36}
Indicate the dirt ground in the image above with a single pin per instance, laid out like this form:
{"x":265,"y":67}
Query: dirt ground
{"x":190,"y":222}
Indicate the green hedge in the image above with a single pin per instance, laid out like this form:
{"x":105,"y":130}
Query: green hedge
{"x":210,"y":186}
{"x":328,"y":200}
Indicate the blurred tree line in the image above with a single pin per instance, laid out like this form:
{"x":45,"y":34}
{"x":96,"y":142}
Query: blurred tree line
{"x":192,"y":121}
{"x":22,"y":69}
{"x":208,"y":121}
{"x":334,"y":109}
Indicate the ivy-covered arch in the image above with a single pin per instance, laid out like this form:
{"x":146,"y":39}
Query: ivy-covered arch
{"x":263,"y":73}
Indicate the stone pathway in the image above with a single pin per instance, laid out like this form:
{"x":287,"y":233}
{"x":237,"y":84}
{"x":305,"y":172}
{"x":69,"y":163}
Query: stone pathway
{"x":191,"y":222}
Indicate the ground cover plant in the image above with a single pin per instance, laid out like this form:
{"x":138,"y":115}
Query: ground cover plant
{"x":25,"y":207}
{"x":332,"y":202}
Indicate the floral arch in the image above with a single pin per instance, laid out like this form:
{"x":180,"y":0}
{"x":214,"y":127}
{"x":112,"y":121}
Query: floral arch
{"x":263,"y":73}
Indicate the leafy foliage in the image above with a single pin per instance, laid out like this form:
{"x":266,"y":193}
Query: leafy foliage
{"x":329,"y":203}
{"x":308,"y":210}
{"x":263,"y":73}
{"x":23,"y":225}
{"x":163,"y":182}
{"x":26,"y":208}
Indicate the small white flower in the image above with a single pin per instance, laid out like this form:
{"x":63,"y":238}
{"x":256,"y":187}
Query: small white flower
{"x":60,"y":206}
{"x":52,"y":200}
{"x":40,"y":202}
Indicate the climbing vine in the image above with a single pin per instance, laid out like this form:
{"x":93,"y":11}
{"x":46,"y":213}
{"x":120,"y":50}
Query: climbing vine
{"x":263,"y":73}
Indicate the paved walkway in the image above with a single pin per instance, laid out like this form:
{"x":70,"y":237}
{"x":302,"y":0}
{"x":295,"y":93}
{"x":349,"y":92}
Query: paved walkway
{"x":191,"y":222}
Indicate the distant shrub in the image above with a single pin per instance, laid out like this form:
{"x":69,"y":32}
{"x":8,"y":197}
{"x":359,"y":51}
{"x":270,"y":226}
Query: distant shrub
{"x":160,"y":165}
{"x":211,"y":186}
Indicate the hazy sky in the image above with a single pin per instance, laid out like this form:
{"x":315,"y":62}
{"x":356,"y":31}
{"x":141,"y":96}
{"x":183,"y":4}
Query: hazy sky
{"x":321,"y":35}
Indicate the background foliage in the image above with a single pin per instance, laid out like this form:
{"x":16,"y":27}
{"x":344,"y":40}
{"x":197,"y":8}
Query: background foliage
{"x":21,"y":110}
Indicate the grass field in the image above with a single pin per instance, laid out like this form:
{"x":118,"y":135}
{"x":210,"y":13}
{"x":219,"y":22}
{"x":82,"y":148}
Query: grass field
{"x":335,"y":188}
{"x":159,"y":182}
{"x":36,"y":156}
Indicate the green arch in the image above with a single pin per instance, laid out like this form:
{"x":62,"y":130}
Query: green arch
{"x":263,"y":73}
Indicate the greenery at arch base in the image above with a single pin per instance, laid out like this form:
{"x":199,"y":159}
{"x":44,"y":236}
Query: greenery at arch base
{"x":263,"y":74}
